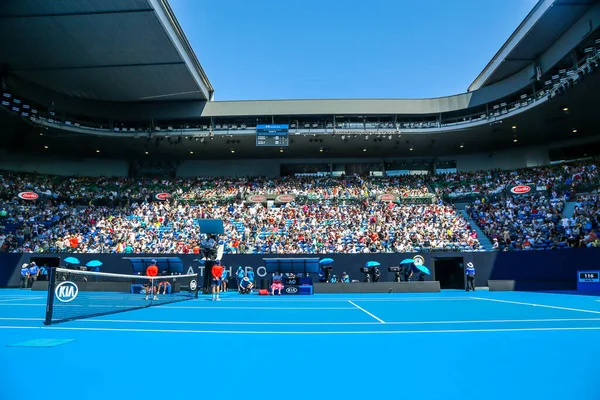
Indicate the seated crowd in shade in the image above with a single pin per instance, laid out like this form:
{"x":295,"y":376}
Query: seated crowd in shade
{"x":336,"y":215}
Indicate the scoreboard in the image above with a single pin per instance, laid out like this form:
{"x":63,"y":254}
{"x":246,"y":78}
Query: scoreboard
{"x":588,"y":280}
{"x":272,"y":135}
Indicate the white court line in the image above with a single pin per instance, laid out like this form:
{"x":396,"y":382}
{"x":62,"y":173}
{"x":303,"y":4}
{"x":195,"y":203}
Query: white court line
{"x":20,"y":299}
{"x":538,"y":305}
{"x":366,"y":312}
{"x":325,"y":300}
{"x":167,"y":307}
{"x":498,"y":321}
{"x":160,"y":322}
{"x":252,"y":308}
{"x":21,"y":319}
{"x":380,"y":332}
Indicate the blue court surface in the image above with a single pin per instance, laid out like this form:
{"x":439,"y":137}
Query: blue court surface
{"x":449,"y":345}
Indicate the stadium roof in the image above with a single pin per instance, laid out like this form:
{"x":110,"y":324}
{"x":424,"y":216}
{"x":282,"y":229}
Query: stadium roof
{"x":124,"y":51}
{"x":542,"y":27}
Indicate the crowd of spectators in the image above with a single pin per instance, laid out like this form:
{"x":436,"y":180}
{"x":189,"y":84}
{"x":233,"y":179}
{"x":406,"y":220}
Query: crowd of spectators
{"x":172,"y":227}
{"x":521,"y":223}
{"x":561,"y":178}
{"x":338,"y":215}
{"x":82,"y":190}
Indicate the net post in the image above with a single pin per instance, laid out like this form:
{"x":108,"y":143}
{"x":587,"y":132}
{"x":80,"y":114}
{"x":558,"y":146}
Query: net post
{"x":197,"y":285}
{"x":50,"y":298}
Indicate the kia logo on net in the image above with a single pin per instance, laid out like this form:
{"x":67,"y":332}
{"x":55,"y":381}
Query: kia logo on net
{"x":291,"y":290}
{"x":521,"y":189}
{"x":28,"y":195}
{"x":257,"y":199}
{"x":66,"y":291}
{"x":162,"y":196}
{"x":193,"y":285}
{"x":285,"y":198}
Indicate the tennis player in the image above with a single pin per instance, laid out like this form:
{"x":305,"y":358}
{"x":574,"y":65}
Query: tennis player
{"x":152,"y":271}
{"x":277,"y":284}
{"x":217,"y":272}
{"x":164,"y":284}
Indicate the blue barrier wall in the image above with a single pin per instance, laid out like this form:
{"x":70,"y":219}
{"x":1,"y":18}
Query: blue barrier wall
{"x":558,"y":266}
{"x":9,"y":262}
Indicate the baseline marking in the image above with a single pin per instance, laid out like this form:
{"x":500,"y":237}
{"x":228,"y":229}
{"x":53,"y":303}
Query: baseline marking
{"x":381,"y":332}
{"x":251,"y":308}
{"x":366,"y":312}
{"x":332,"y":300}
{"x":162,"y":307}
{"x":538,"y":305}
{"x":242,"y":323}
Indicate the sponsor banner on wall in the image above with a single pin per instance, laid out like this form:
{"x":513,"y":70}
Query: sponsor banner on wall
{"x":257,"y":198}
{"x":28,"y":195}
{"x":162,"y":196}
{"x":557,"y":266}
{"x":284,"y":198}
{"x":387,"y":197}
{"x":521,"y":189}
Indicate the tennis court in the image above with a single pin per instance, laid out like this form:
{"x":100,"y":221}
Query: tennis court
{"x":451,"y":345}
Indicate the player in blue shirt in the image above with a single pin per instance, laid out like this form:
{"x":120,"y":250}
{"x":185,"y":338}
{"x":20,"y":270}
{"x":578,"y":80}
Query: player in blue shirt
{"x":470,"y":271}
{"x":24,"y":276}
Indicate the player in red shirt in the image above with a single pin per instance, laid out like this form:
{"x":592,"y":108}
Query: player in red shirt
{"x":217,"y":272}
{"x":152,"y":270}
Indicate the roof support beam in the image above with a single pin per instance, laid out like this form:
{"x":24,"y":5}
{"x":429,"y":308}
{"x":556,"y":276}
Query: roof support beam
{"x":74,"y":14}
{"x":74,"y":67}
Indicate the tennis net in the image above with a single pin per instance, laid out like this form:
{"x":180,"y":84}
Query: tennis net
{"x":74,"y":294}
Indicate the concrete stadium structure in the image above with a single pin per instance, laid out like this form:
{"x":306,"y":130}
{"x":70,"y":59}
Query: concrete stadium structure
{"x":132,"y":90}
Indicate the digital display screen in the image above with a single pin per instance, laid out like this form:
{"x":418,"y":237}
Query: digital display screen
{"x":273,"y":135}
{"x":589,"y":276}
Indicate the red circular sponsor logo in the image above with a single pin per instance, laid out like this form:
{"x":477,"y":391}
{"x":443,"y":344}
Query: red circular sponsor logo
{"x":162,"y":196}
{"x":387,"y":197}
{"x":521,"y":189}
{"x":285,"y":198}
{"x":28,"y":195}
{"x":257,"y":199}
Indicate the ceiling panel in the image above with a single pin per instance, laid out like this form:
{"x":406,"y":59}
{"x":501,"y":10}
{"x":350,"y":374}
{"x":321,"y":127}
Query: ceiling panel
{"x":153,"y":82}
{"x":45,"y":7}
{"x":84,"y":40}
